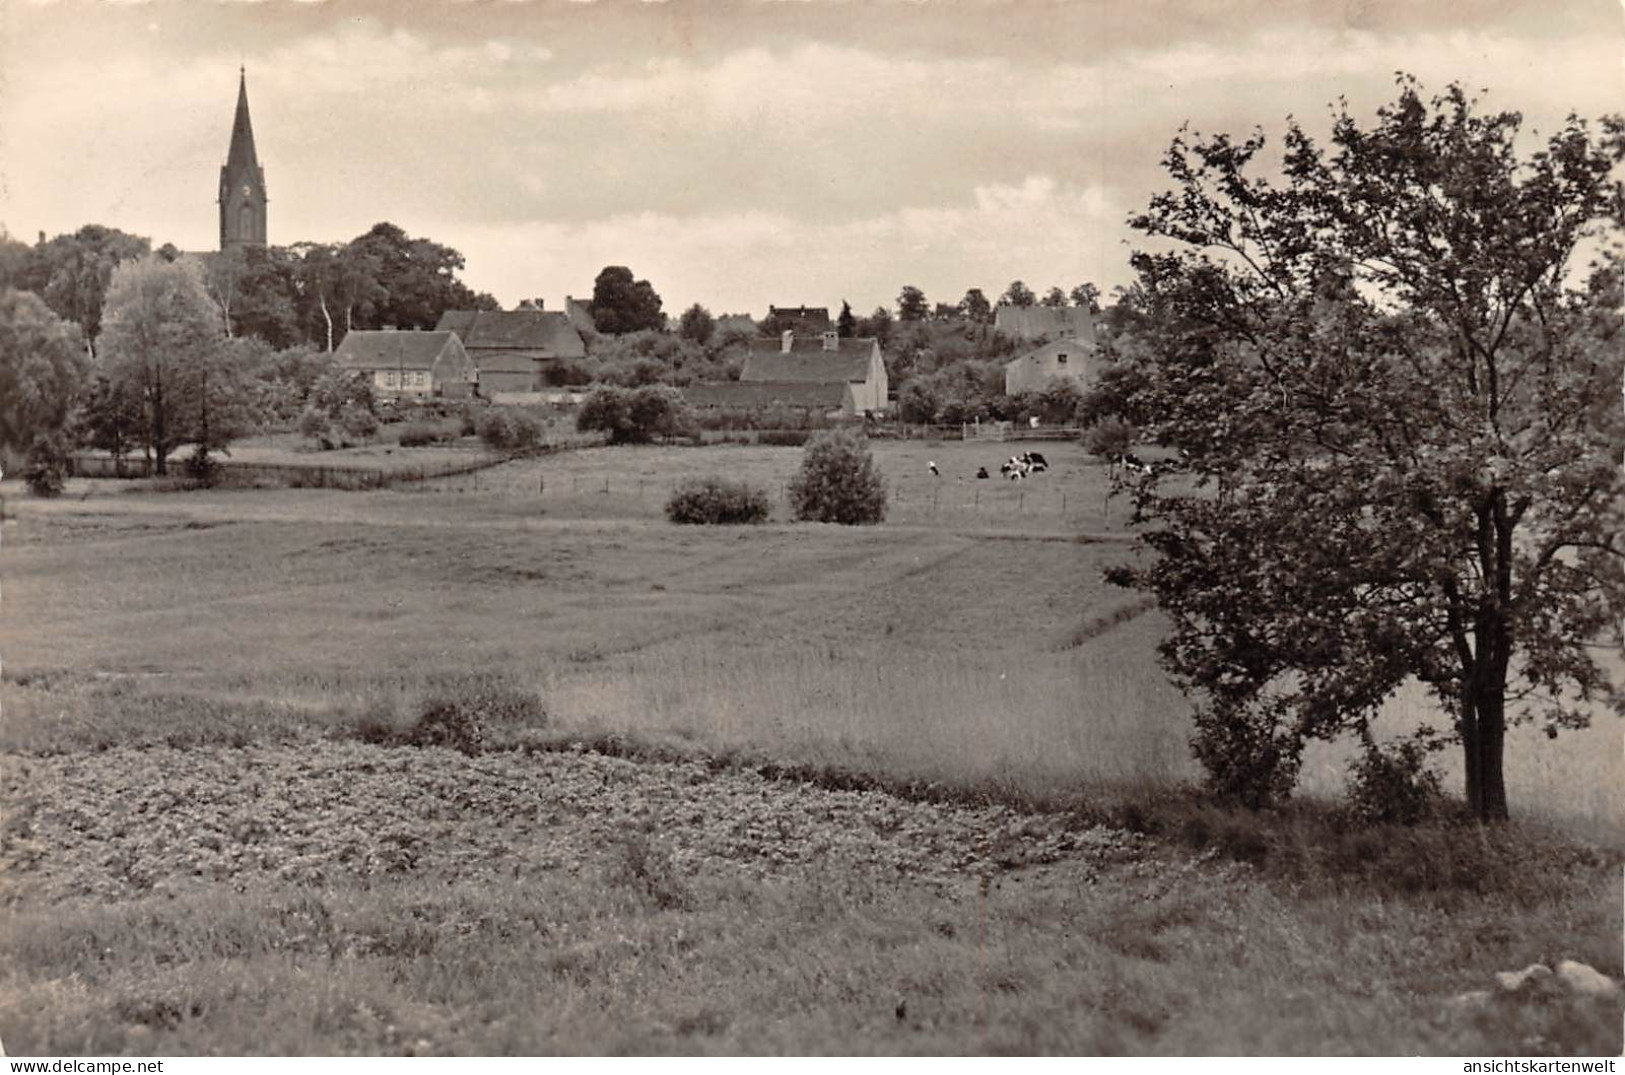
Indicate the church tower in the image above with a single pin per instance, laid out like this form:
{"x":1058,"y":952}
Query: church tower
{"x":242,"y":182}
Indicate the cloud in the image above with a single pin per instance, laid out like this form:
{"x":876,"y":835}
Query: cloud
{"x":1039,"y":230}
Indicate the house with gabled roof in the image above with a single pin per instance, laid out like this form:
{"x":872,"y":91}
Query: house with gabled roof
{"x":514,"y":350}
{"x":408,"y":364}
{"x":826,"y":359}
{"x":1035,"y":324}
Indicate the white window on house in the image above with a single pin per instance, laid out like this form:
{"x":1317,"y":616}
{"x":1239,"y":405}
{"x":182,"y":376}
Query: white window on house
{"x":390,"y":380}
{"x":421,"y":378}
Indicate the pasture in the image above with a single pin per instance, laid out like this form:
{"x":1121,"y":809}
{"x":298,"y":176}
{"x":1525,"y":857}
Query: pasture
{"x":163,"y":649}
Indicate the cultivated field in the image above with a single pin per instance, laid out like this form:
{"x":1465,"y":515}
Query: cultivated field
{"x":681,"y":837}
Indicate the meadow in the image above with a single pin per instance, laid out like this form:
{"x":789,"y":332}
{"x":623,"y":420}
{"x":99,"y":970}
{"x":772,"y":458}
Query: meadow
{"x":690,"y":728}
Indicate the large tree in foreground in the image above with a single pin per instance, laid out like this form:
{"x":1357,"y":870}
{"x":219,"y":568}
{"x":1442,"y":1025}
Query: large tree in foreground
{"x":1396,"y":385}
{"x":161,"y":343}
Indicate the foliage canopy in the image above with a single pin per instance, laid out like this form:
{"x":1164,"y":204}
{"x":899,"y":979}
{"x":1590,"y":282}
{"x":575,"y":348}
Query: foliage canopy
{"x":1397,"y":396}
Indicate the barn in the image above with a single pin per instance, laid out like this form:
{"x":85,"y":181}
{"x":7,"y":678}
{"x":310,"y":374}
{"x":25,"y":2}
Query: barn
{"x":514,"y":350}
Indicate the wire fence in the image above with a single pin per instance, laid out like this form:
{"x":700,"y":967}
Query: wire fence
{"x":227,"y":474}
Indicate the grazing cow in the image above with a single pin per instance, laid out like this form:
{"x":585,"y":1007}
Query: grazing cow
{"x":981,"y":472}
{"x":1014,"y":468}
{"x":1130,"y":461}
{"x":1035,"y":461}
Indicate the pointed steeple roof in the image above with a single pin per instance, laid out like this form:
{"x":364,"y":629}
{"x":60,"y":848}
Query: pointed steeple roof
{"x":242,"y":161}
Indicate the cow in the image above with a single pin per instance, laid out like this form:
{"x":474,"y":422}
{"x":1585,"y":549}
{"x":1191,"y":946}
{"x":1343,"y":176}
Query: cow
{"x":1130,"y":461}
{"x":1014,"y":468}
{"x":1035,"y":461}
{"x":981,"y":472}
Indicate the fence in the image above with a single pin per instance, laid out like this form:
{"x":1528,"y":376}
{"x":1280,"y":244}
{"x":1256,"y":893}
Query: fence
{"x":290,"y":475}
{"x":1000,"y":431}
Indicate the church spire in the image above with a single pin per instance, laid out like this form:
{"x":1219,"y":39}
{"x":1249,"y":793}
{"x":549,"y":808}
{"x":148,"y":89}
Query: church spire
{"x":242,"y":181}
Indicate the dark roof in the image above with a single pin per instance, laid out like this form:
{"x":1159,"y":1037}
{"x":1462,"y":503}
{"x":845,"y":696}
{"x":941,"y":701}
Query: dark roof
{"x":760,"y":394}
{"x":508,"y":361}
{"x":806,"y":318}
{"x":513,"y":330}
{"x":1039,"y":322}
{"x":364,"y":349}
{"x":808,"y":362}
{"x":458,"y":321}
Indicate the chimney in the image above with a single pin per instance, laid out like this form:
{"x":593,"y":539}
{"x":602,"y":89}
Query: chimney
{"x":786,"y":339}
{"x":832,"y":341}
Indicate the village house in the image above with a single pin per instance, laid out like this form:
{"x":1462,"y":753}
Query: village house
{"x":1035,"y":324}
{"x":1070,"y":359}
{"x":514,"y":350}
{"x":853,"y":365}
{"x":404,"y":365}
{"x":802,"y":320}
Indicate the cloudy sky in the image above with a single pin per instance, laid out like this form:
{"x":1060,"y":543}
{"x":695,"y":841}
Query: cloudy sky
{"x":734,"y":153}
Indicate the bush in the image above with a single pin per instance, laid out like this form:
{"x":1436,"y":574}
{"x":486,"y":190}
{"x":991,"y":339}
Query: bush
{"x":46,"y":469}
{"x":785,"y":438}
{"x":1110,"y":438}
{"x":359,"y":422}
{"x":201,"y":467}
{"x":449,"y":724}
{"x":714,"y":501}
{"x":838,"y":482}
{"x":1250,"y":759}
{"x":314,"y":424}
{"x":635,"y":416}
{"x":1393,"y":786}
{"x":510,"y":431}
{"x":420,"y":434}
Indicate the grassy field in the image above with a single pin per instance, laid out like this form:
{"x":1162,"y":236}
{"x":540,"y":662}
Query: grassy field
{"x":158,"y":648}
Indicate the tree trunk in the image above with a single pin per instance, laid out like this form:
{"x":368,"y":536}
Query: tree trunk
{"x":1492,"y":789}
{"x":1468,"y":726}
{"x":160,"y":449}
{"x":328,"y":317}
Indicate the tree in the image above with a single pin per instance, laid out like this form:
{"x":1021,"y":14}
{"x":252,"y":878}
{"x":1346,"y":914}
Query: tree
{"x":161,"y":334}
{"x":622,"y":304}
{"x":333,"y":283}
{"x":1054,"y":298}
{"x":72,"y":273}
{"x":1017,"y":294}
{"x":109,"y":418}
{"x":417,"y":277}
{"x":697,"y":324}
{"x":975,"y":307}
{"x":846,"y":325}
{"x":42,"y":370}
{"x":255,"y":288}
{"x":838,"y":481}
{"x":911,"y":304}
{"x":877,"y":325}
{"x":1398,"y":399}
{"x":1087,"y":296}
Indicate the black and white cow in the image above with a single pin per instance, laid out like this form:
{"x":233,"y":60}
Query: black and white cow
{"x":1035,"y":461}
{"x":1013,"y":468}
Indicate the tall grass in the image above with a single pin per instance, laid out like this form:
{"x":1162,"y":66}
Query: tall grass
{"x":1037,"y":724}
